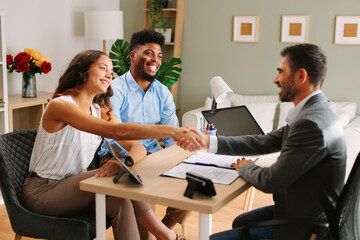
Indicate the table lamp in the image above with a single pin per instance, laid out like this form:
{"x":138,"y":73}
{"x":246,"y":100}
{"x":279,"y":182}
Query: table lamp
{"x":104,"y":25}
{"x":220,"y":91}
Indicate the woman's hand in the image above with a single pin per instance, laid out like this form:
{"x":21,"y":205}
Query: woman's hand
{"x":202,"y":139}
{"x":189,"y":140}
{"x":110,"y":168}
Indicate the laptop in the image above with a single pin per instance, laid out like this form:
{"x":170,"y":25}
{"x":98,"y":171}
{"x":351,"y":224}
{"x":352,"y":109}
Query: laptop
{"x":233,"y":121}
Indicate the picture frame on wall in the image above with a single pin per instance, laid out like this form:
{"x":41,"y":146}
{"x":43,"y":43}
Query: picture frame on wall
{"x":246,"y":29}
{"x":347,"y":30}
{"x":295,"y":29}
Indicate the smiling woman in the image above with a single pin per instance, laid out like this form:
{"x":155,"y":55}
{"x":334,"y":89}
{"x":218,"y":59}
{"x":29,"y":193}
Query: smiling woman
{"x":67,"y":139}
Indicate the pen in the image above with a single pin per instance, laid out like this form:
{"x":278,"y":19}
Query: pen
{"x":205,"y":164}
{"x":255,"y":159}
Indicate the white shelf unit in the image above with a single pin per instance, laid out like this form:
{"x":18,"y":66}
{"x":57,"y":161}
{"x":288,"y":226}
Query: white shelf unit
{"x":4,"y":117}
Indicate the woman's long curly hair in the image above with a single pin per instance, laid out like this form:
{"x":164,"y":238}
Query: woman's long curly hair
{"x":76,"y":75}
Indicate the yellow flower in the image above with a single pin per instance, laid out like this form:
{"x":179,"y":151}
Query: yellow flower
{"x":38,"y":63}
{"x":36,"y":55}
{"x":47,"y":59}
{"x":42,"y":60}
{"x":28,"y":50}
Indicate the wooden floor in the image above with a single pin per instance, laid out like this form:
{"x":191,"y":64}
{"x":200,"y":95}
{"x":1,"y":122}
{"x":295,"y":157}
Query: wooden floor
{"x":221,"y":220}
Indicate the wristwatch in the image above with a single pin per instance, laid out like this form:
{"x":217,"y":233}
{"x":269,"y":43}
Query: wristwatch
{"x":128,"y":161}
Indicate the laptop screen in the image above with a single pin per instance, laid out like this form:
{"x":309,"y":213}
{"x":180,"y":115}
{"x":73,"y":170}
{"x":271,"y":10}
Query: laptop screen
{"x":233,"y":121}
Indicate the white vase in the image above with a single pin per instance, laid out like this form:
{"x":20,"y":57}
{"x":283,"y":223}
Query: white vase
{"x":167,"y":33}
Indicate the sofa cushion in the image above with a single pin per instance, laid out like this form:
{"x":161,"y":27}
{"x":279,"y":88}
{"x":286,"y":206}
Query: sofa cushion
{"x":349,"y":107}
{"x":283,"y":112}
{"x":264,"y":114}
{"x":237,"y":99}
{"x":345,"y":110}
{"x":263,"y":108}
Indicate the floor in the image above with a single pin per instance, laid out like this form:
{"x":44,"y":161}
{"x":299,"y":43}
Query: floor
{"x":221,"y":220}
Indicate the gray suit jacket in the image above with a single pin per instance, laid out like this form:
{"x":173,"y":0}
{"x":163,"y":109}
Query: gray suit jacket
{"x":308,"y":176}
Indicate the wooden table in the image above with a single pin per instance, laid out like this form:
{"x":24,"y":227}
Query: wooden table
{"x":161,"y":190}
{"x":25,"y":113}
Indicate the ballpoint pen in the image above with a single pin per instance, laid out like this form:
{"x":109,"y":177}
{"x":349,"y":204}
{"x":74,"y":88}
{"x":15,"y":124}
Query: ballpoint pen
{"x":206,"y":164}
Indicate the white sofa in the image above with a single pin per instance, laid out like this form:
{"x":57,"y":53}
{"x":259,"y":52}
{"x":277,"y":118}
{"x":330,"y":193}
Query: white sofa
{"x":270,"y":113}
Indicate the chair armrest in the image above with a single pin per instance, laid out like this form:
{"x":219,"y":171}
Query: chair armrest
{"x":272,"y":223}
{"x":192,"y":118}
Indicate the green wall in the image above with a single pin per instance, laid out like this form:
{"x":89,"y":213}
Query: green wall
{"x":249,"y":68}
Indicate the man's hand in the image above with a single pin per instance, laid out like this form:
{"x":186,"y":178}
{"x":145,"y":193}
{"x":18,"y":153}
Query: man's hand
{"x":241,"y":162}
{"x":110,"y":168}
{"x":202,"y":140}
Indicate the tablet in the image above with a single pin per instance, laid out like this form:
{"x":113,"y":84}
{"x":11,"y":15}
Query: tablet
{"x":198,"y":183}
{"x":131,"y":174}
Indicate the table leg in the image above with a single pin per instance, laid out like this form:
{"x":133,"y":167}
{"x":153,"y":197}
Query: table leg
{"x":204,"y":226}
{"x":100,"y":216}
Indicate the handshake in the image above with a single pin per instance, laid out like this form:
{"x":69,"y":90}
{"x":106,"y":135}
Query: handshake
{"x":191,"y":139}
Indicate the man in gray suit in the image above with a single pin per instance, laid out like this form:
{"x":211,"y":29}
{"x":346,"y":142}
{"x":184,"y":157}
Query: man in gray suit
{"x":308,"y":176}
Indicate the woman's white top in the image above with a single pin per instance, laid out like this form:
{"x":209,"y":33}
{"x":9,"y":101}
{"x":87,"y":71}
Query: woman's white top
{"x":66,"y":152}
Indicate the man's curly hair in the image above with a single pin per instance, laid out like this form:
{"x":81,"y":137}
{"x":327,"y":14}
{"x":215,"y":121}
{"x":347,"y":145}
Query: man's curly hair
{"x":146,"y":36}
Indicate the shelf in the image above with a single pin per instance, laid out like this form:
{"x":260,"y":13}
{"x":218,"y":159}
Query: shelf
{"x":25,"y":113}
{"x":175,"y":16}
{"x":2,"y":109}
{"x":16,"y":101}
{"x":168,"y":12}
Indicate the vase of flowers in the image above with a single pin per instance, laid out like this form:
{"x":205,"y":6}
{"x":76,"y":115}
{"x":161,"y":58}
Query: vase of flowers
{"x":29,"y":62}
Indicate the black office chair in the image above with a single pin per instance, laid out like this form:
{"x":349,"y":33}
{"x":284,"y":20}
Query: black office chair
{"x":344,"y":221}
{"x":15,"y":152}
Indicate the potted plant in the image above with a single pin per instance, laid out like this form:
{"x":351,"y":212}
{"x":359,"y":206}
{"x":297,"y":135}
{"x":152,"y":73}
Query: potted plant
{"x":168,"y":73}
{"x":158,"y":19}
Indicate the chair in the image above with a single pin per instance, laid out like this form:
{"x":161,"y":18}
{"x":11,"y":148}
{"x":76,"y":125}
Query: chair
{"x":343,"y":221}
{"x":15,"y":152}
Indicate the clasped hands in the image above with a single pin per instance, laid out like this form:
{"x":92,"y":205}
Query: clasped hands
{"x":191,"y":139}
{"x":204,"y":141}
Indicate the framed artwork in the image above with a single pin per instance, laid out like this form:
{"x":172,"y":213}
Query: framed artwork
{"x":295,"y":29}
{"x":246,"y":28}
{"x":347,"y":30}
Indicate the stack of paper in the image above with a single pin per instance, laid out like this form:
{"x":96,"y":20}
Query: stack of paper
{"x":213,"y":166}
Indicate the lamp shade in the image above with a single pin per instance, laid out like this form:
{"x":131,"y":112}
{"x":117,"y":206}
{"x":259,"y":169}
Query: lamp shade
{"x":104,"y":25}
{"x":220,"y":90}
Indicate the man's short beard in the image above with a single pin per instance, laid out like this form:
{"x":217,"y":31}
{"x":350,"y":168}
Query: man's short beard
{"x":289,"y":90}
{"x":148,"y":77}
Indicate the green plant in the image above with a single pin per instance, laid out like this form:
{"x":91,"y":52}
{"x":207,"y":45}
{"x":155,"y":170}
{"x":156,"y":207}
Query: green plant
{"x":168,"y":73}
{"x":119,"y":56}
{"x":156,"y":14}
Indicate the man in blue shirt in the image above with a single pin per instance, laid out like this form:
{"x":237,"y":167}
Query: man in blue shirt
{"x":140,"y":98}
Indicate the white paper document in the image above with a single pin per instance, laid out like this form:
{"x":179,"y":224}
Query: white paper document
{"x":216,"y":174}
{"x":213,"y":166}
{"x":215,"y":160}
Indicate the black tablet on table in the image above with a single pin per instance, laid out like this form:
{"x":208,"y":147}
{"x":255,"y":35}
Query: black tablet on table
{"x":125,"y":169}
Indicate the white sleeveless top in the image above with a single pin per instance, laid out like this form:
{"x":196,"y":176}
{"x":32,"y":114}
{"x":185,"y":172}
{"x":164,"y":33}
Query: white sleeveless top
{"x":66,"y":152}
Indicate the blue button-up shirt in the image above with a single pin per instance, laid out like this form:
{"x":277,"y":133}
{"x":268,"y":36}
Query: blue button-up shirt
{"x":155,"y":106}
